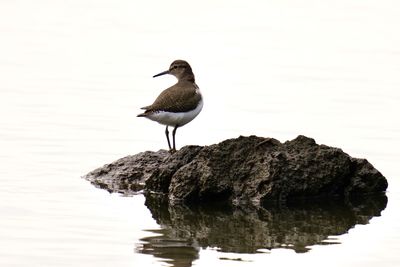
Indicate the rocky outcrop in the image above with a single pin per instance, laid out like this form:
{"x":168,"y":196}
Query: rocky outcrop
{"x":127,"y":175}
{"x":243,"y":170}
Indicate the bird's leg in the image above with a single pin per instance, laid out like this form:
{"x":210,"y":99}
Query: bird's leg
{"x":167,"y":134}
{"x":173,"y":138}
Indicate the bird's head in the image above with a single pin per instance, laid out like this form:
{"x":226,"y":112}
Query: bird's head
{"x":180,"y":69}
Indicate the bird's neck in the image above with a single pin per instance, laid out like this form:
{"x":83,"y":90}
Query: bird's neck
{"x":187,"y":77}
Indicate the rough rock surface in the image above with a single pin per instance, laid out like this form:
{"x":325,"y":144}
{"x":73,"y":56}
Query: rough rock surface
{"x":243,"y":170}
{"x":127,"y":175}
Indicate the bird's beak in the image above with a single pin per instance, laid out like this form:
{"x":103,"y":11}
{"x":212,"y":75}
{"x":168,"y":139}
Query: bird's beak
{"x":161,"y":73}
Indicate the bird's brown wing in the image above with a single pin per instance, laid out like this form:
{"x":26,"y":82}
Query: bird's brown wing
{"x":178,"y":98}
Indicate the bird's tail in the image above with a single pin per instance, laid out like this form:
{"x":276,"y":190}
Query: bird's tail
{"x":144,"y":114}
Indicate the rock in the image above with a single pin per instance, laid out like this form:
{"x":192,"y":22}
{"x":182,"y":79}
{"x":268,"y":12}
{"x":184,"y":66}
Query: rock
{"x":243,"y":170}
{"x":128,"y":174}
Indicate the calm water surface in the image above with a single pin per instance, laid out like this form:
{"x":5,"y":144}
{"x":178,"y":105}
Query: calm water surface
{"x":75,"y":73}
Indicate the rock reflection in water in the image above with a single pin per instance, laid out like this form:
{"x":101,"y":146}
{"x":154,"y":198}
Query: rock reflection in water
{"x":166,"y":244}
{"x":249,"y":229}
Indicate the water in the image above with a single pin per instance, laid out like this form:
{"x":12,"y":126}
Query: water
{"x":74,"y":75}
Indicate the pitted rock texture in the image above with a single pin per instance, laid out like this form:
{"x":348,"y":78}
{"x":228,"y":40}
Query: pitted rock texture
{"x":250,"y":169}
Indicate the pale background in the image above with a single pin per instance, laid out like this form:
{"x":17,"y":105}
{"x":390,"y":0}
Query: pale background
{"x":73,"y":75}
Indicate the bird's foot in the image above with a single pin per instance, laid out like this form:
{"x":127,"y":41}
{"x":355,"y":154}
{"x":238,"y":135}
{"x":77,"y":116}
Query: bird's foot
{"x":172,"y":150}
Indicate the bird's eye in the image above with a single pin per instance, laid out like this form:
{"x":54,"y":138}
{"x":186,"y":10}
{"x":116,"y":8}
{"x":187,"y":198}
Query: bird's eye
{"x":175,"y":67}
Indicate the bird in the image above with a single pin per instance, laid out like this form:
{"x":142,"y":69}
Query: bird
{"x":178,"y":104}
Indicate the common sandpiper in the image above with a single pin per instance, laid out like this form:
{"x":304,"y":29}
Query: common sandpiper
{"x":178,"y":104}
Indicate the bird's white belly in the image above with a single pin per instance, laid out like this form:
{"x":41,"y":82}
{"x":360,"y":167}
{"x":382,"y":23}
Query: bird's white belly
{"x":176,"y":118}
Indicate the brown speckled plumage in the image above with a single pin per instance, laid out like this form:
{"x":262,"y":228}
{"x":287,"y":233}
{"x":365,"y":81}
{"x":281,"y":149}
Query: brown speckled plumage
{"x":178,"y":104}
